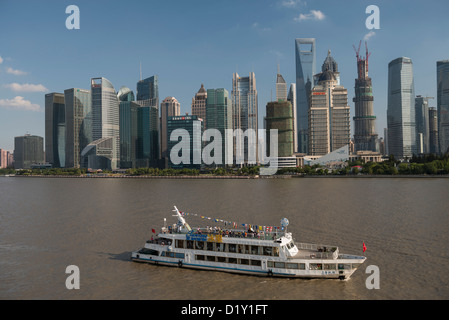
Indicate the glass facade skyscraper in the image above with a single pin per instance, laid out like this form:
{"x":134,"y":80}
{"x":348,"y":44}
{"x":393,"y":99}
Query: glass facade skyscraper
{"x":193,"y":126}
{"x":401,"y":108}
{"x":280,"y":117}
{"x":245,"y":109}
{"x":219,"y":117}
{"x":105,"y":123}
{"x":305,"y":71}
{"x":148,"y":89}
{"x":149,"y":125}
{"x":28,"y":150}
{"x":292,"y":98}
{"x":422,"y":123}
{"x":78,"y":119}
{"x":55,"y":129}
{"x":443,"y":104}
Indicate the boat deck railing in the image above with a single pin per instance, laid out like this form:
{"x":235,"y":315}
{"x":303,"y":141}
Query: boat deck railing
{"x":232,"y":233}
{"x":316,"y":251}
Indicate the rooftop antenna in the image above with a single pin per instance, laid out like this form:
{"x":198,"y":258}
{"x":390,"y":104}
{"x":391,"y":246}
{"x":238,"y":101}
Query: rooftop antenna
{"x":367,"y":55}
{"x":279,"y":70}
{"x":357,"y":52}
{"x":140,"y":70}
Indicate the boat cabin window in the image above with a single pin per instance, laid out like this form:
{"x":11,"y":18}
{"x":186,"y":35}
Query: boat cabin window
{"x":254,"y":249}
{"x":244,"y":261}
{"x":210,"y":246}
{"x":221,"y":259}
{"x":267,"y":251}
{"x":232,"y":247}
{"x":279,"y":264}
{"x":256,"y":263}
{"x":232,"y":260}
{"x":292,"y":265}
{"x":290,"y":245}
{"x":330,"y":266}
{"x":199,"y":257}
{"x":220,"y":247}
{"x":199,"y":245}
{"x":189,"y":244}
{"x":149,"y":251}
{"x":180,"y":244}
{"x":315,"y":266}
{"x":342,"y":266}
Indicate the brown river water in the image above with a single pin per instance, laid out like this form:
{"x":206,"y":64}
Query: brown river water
{"x":47,"y":224}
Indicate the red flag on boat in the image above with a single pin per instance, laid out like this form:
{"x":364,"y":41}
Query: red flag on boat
{"x":364,"y":247}
{"x":154,"y":231}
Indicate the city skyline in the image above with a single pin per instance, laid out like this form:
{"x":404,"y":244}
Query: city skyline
{"x":31,"y":66}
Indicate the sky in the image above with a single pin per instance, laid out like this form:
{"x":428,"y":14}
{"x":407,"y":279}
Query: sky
{"x":189,"y":43}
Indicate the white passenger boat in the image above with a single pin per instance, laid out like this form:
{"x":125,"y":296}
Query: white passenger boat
{"x":245,"y":251}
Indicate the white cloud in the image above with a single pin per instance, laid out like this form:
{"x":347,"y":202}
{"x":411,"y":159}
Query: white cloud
{"x":26,"y":87}
{"x":257,"y":26}
{"x":369,"y":35}
{"x":292,"y":3}
{"x":1,"y":60}
{"x":15,"y":72}
{"x":312,"y":15}
{"x":19,"y":103}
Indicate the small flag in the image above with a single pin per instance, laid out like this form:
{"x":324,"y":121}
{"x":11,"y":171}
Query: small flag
{"x":364,"y":247}
{"x":154,"y":231}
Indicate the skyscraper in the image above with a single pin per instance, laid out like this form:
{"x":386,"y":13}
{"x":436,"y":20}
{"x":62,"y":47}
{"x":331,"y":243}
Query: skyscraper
{"x":329,"y":124}
{"x":443,"y":104}
{"x":433,"y":131}
{"x":104,"y":151}
{"x":281,"y":88}
{"x":170,"y":107}
{"x":401,"y":108}
{"x":199,"y":104}
{"x":422,"y":123}
{"x":244,"y":109}
{"x":280,"y":117}
{"x":219,"y":117}
{"x":28,"y":150}
{"x":193,"y":126}
{"x":305,"y":71}
{"x":148,"y":90}
{"x":365,"y":136}
{"x":149,"y":147}
{"x":129,"y":134}
{"x":78,"y":120}
{"x":55,"y":129}
{"x":292,"y":99}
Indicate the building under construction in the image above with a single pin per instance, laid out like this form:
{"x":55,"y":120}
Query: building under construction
{"x":365,"y":136}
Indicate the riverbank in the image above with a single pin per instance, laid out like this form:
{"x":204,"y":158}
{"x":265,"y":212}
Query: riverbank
{"x":117,"y":176}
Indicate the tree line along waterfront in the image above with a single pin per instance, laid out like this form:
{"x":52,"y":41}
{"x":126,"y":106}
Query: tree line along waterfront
{"x":417,"y":165}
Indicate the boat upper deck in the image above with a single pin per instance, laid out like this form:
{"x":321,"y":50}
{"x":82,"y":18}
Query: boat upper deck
{"x":228,"y":233}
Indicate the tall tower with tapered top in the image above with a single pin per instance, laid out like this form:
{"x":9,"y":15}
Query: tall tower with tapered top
{"x":365,"y":136}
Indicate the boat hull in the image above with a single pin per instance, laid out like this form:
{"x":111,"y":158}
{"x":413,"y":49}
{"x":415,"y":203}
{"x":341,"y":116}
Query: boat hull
{"x":245,"y":270}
